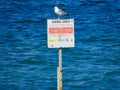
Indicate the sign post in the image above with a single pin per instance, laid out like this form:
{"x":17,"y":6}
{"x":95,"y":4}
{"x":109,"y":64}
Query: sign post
{"x":60,"y":69}
{"x":60,"y":35}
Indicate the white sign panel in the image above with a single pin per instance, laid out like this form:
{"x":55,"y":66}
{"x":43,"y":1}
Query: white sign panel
{"x":60,"y":33}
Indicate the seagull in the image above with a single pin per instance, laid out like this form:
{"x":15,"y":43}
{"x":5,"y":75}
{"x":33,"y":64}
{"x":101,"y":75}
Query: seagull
{"x":59,"y":12}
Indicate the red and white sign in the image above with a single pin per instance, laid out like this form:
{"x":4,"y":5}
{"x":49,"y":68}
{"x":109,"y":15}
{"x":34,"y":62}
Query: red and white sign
{"x":60,"y":33}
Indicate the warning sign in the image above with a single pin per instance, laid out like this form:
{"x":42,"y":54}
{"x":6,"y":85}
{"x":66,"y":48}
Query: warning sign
{"x":60,"y":33}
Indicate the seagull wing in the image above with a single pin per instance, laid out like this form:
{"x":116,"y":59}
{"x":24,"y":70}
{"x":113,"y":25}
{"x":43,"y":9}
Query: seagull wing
{"x":62,"y":12}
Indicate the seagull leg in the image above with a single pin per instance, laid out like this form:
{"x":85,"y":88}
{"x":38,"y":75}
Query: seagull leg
{"x":59,"y":17}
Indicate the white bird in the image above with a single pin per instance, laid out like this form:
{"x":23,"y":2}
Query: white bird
{"x":59,"y":12}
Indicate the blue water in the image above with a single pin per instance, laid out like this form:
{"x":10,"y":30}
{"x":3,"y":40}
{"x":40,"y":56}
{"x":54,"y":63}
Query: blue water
{"x":26,"y":63}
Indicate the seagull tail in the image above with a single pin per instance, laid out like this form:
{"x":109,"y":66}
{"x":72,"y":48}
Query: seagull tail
{"x":65,"y":13}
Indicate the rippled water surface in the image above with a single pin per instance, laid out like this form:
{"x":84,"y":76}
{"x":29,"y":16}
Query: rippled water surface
{"x":27,"y":64}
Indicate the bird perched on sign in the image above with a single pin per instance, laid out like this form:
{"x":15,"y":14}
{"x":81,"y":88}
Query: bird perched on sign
{"x":59,"y":12}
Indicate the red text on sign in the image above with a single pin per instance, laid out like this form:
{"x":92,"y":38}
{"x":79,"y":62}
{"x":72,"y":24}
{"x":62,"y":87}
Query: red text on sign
{"x":65,"y":30}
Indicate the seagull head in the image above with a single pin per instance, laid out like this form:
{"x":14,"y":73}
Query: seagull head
{"x":55,"y":7}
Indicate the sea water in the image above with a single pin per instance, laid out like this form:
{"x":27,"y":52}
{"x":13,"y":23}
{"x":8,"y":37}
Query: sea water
{"x":26,"y":63}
